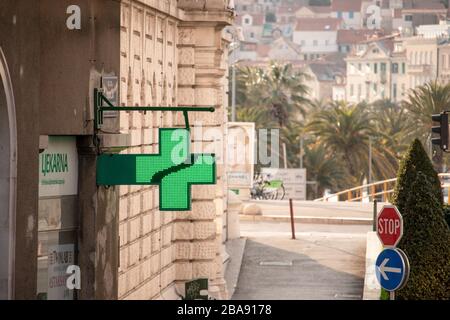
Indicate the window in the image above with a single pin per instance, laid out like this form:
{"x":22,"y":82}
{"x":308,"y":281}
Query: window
{"x":383,"y":67}
{"x":403,"y":89}
{"x":244,"y":7}
{"x":359,"y":91}
{"x":408,"y":18}
{"x":351,"y":14}
{"x":359,"y":66}
{"x":339,"y":14}
{"x":351,"y":90}
{"x":246,"y":21}
{"x":395,"y":68}
{"x":394,"y":91}
{"x":375,"y":88}
{"x":252,"y":35}
{"x":375,"y":68}
{"x":403,"y":68}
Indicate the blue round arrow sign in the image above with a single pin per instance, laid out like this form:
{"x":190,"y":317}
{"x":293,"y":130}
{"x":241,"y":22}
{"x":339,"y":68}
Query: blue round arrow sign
{"x":392,"y":269}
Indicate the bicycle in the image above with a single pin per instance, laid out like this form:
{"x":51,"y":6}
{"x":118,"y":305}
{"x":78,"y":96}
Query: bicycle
{"x":265,"y":189}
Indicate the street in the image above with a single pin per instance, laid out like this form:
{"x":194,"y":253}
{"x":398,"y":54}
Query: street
{"x":325,"y":262}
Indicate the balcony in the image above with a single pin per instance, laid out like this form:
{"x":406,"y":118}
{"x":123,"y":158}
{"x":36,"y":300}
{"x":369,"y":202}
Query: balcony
{"x":420,"y":68}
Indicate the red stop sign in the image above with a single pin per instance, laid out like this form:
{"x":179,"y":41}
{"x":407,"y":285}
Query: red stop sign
{"x":389,"y":226}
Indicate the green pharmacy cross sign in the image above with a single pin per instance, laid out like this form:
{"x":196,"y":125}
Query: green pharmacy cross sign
{"x":174,"y":169}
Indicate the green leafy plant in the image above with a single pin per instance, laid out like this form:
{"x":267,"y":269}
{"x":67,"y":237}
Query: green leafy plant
{"x":416,"y":160}
{"x":426,"y":242}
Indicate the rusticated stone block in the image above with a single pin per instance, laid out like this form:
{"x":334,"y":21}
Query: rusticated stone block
{"x":204,"y":250}
{"x":204,"y":192}
{"x":167,"y":233}
{"x":155,"y":264}
{"x":203,"y":210}
{"x":183,"y":271}
{"x":156,"y":241}
{"x":203,"y":269}
{"x":204,"y":230}
{"x":186,"y":97}
{"x":184,"y":231}
{"x":186,"y":56}
{"x":134,"y":250}
{"x":166,"y":256}
{"x":186,"y":76}
{"x":146,"y":221}
{"x":146,"y":246}
{"x":183,"y":250}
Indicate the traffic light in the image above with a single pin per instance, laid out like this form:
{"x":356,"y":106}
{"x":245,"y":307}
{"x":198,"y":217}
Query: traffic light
{"x":442,"y":130}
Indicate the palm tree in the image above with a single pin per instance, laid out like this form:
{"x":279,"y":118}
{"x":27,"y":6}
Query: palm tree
{"x":284,"y":92}
{"x":394,"y":124}
{"x":422,"y":102}
{"x":291,"y":135}
{"x":279,"y":89}
{"x":345,"y":131}
{"x":324,"y":169}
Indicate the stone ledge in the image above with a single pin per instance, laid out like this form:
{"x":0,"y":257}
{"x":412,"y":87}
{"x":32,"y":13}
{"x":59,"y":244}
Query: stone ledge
{"x":372,"y":289}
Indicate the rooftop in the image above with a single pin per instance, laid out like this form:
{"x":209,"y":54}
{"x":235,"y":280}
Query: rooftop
{"x":346,"y":5}
{"x":318,"y":24}
{"x":354,"y":36}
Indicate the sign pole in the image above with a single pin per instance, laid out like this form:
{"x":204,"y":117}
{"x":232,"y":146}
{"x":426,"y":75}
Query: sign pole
{"x":292,"y":219}
{"x":392,"y":295}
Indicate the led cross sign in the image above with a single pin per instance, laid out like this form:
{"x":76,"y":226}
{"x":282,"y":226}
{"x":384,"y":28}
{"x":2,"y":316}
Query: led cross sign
{"x":174,"y":169}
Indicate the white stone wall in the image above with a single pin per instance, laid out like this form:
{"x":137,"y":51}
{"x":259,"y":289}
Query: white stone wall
{"x":167,"y":62}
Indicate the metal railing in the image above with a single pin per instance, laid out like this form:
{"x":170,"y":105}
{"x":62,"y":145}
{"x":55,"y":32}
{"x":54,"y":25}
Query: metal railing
{"x":380,"y":190}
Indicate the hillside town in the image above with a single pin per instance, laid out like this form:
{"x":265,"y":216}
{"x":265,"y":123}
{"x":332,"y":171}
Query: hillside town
{"x":354,"y":50}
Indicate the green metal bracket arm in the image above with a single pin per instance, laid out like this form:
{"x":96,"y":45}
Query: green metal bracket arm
{"x":99,"y":98}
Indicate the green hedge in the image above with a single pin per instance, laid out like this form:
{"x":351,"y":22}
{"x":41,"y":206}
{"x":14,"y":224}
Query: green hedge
{"x":426,"y":238}
{"x":447,"y":214}
{"x":415,"y":160}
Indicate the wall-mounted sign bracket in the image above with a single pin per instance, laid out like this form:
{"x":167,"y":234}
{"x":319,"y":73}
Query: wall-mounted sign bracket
{"x":174,"y":168}
{"x":99,"y":108}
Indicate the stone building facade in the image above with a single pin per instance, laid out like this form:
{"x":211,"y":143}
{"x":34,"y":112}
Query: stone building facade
{"x":170,"y":56}
{"x":164,"y":53}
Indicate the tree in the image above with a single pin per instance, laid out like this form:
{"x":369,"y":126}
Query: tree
{"x":324,"y":169}
{"x":426,"y":242}
{"x":394,"y":123}
{"x":278,"y":89}
{"x":416,"y":160}
{"x":422,"y":102}
{"x":345,"y":130}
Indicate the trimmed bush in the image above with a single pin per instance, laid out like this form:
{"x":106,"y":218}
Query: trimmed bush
{"x":415,"y":160}
{"x":426,"y":241}
{"x":447,"y":214}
